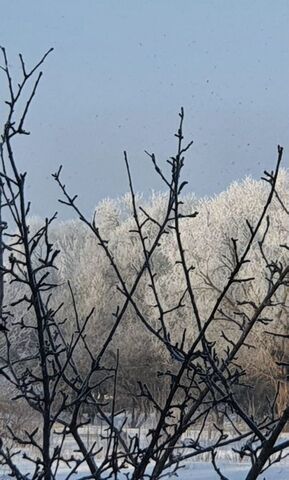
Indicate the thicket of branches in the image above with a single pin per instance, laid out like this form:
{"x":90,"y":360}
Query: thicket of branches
{"x":175,"y":306}
{"x":209,"y":247}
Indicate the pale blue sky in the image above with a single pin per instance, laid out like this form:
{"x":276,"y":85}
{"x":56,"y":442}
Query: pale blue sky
{"x":121,"y":70}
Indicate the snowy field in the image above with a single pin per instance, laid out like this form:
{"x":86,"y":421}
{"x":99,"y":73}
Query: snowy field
{"x":199,"y":471}
{"x":196,"y":468}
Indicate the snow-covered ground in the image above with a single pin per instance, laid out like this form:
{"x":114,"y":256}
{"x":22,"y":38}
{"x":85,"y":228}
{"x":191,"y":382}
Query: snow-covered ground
{"x":204,"y":471}
{"x":198,"y":471}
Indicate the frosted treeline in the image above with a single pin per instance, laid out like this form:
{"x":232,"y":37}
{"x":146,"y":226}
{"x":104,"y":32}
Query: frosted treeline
{"x":208,"y":244}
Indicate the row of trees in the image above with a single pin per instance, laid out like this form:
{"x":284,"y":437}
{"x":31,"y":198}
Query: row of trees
{"x":171,"y":303}
{"x":207,"y":240}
